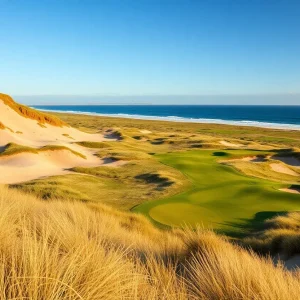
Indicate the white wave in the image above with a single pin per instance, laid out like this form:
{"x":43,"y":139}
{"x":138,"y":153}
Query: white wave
{"x":184,"y":119}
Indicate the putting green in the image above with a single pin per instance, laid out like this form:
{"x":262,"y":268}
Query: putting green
{"x":220,"y":197}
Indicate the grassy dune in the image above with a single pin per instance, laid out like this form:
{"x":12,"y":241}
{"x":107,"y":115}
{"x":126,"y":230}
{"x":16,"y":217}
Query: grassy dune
{"x":122,"y":187}
{"x":246,"y":135}
{"x":280,"y":235}
{"x":13,"y":149}
{"x":72,"y":250}
{"x":30,"y":113}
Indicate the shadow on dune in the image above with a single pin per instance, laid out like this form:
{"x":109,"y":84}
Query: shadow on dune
{"x":244,"y":227}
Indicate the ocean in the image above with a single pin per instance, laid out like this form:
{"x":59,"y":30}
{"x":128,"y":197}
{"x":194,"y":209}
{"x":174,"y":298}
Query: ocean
{"x":285,"y":117}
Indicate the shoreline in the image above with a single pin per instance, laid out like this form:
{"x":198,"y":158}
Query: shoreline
{"x":177,"y":119}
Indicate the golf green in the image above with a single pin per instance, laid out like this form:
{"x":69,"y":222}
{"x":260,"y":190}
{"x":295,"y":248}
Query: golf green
{"x":220,"y":197}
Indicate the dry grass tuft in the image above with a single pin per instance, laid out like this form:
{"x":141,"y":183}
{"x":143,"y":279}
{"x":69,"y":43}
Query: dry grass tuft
{"x":13,"y":149}
{"x":30,"y":113}
{"x":71,"y":250}
{"x":281,"y":236}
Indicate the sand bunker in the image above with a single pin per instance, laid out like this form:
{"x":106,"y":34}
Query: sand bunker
{"x":290,"y":190}
{"x":254,"y":159}
{"x":289,"y":160}
{"x":277,"y":167}
{"x":227,"y":144}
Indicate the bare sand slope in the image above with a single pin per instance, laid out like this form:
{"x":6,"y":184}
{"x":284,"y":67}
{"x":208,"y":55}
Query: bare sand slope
{"x":228,"y":144}
{"x":28,"y":132}
{"x":280,"y":168}
{"x":28,"y":166}
{"x":25,"y":131}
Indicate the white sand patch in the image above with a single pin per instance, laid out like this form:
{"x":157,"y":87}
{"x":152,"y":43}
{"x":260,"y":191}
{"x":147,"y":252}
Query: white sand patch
{"x":34,"y":135}
{"x":227,"y":144}
{"x":254,"y":159}
{"x":279,"y":168}
{"x":27,"y":166}
{"x":290,"y":190}
{"x":145,"y":131}
{"x":290,"y":160}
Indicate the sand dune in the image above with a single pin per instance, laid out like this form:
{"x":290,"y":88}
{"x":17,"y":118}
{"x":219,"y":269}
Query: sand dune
{"x":277,"y":167}
{"x":28,"y":132}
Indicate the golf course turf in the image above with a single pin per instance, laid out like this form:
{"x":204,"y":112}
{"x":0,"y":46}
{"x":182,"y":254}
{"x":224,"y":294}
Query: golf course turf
{"x":220,"y":197}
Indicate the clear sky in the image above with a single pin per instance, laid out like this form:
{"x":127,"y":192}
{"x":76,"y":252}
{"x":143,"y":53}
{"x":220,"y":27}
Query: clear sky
{"x":152,"y":48}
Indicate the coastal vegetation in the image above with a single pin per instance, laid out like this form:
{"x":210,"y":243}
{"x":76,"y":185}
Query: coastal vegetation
{"x":30,"y":113}
{"x":151,"y":210}
{"x":74,"y":250}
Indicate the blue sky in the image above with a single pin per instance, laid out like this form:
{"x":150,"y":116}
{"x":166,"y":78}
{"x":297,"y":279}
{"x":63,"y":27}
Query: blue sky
{"x":151,"y":47}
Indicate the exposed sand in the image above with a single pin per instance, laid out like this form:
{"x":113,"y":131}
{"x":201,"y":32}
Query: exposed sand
{"x":27,"y":166}
{"x":277,"y":167}
{"x":145,"y":131}
{"x":290,"y":190}
{"x":254,"y":159}
{"x":227,"y":144}
{"x":290,"y":160}
{"x":34,"y":135}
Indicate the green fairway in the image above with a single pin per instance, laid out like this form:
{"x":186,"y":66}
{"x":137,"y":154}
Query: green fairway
{"x":221,"y":197}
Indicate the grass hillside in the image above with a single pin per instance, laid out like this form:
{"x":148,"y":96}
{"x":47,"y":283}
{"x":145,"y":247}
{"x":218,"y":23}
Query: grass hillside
{"x":30,"y":113}
{"x":71,"y":250}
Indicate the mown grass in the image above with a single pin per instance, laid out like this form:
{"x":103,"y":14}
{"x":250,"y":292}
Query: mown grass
{"x":30,"y":113}
{"x":220,"y":198}
{"x":71,"y":250}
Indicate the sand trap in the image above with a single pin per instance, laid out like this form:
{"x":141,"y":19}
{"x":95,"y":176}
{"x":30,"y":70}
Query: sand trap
{"x":290,"y":190}
{"x":145,"y":131}
{"x":254,"y":159}
{"x":227,"y":144}
{"x":283,"y":169}
{"x":289,"y":160}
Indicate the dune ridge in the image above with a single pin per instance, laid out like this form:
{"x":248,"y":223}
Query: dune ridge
{"x":44,"y":144}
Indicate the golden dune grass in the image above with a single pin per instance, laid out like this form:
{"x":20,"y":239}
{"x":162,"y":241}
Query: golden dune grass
{"x":13,"y":149}
{"x":71,"y":250}
{"x":280,"y":236}
{"x":30,"y":113}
